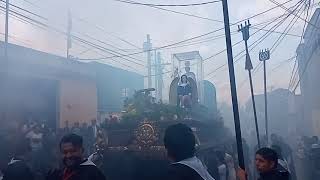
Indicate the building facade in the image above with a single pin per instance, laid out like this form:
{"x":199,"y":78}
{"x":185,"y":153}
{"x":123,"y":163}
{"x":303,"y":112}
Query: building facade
{"x":281,"y":119}
{"x":114,"y":85}
{"x":46,"y":88}
{"x":308,"y":57}
{"x":53,"y":89}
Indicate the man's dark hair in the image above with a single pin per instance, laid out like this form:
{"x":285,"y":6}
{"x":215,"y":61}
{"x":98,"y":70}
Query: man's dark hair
{"x":74,"y":139}
{"x":269,"y":154}
{"x":179,"y":141}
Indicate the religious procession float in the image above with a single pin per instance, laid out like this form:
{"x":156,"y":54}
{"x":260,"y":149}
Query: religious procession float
{"x":133,"y":148}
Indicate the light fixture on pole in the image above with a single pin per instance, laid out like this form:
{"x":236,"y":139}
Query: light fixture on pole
{"x":248,"y":66}
{"x":264,"y":55}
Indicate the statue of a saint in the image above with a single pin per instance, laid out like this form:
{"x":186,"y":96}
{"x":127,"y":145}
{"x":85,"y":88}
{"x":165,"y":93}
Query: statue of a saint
{"x":188,"y":73}
{"x":184,"y":92}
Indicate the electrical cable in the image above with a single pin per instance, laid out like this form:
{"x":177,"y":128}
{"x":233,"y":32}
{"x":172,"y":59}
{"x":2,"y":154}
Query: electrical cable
{"x":304,"y":20}
{"x":168,"y":5}
{"x":286,"y":31}
{"x":44,"y":26}
{"x":95,"y":39}
{"x":273,"y":48}
{"x":108,"y":33}
{"x":199,"y":36}
{"x":294,"y":72}
{"x":303,"y":71}
{"x":259,"y":40}
{"x":25,"y":10}
{"x":282,"y":62}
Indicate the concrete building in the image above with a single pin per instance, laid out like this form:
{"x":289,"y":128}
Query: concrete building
{"x":308,"y":57}
{"x":54,"y":89}
{"x":114,"y":85}
{"x":46,"y":87}
{"x":281,"y":119}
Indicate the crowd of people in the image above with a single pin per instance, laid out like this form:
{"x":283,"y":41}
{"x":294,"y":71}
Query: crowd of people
{"x":37,"y":152}
{"x":308,"y":157}
{"x":43,"y":142}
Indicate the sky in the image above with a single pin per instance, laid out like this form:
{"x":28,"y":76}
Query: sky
{"x":113,"y":24}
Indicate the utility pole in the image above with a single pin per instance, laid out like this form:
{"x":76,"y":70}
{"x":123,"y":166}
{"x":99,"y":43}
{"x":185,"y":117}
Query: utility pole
{"x":147,"y":46}
{"x":233,"y":84}
{"x":156,"y":68}
{"x":5,"y":65}
{"x":248,"y":66}
{"x":69,"y":37}
{"x":6,"y":38}
{"x":264,"y":55}
{"x":159,"y":76}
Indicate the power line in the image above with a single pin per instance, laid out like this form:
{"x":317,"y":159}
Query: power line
{"x":282,"y":63}
{"x":236,"y":31}
{"x":263,"y":12}
{"x":103,"y":42}
{"x":109,"y":33}
{"x":260,"y":39}
{"x":25,"y":10}
{"x":304,"y":70}
{"x":180,"y":42}
{"x":80,"y":19}
{"x":286,"y":30}
{"x":200,"y":41}
{"x":304,"y":26}
{"x":103,"y":49}
{"x":294,"y":72}
{"x":304,"y":20}
{"x":97,"y":47}
{"x":169,"y":5}
{"x":77,"y":38}
{"x":215,"y":20}
{"x":44,"y":26}
{"x":186,"y":14}
{"x":95,"y":39}
{"x":123,"y":64}
{"x":259,"y":65}
{"x":169,"y":45}
{"x":278,"y":41}
{"x":253,"y":44}
{"x":277,"y":32}
{"x":38,"y":22}
{"x":117,"y":56}
{"x":26,"y":18}
{"x":195,"y":37}
{"x":205,"y":18}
